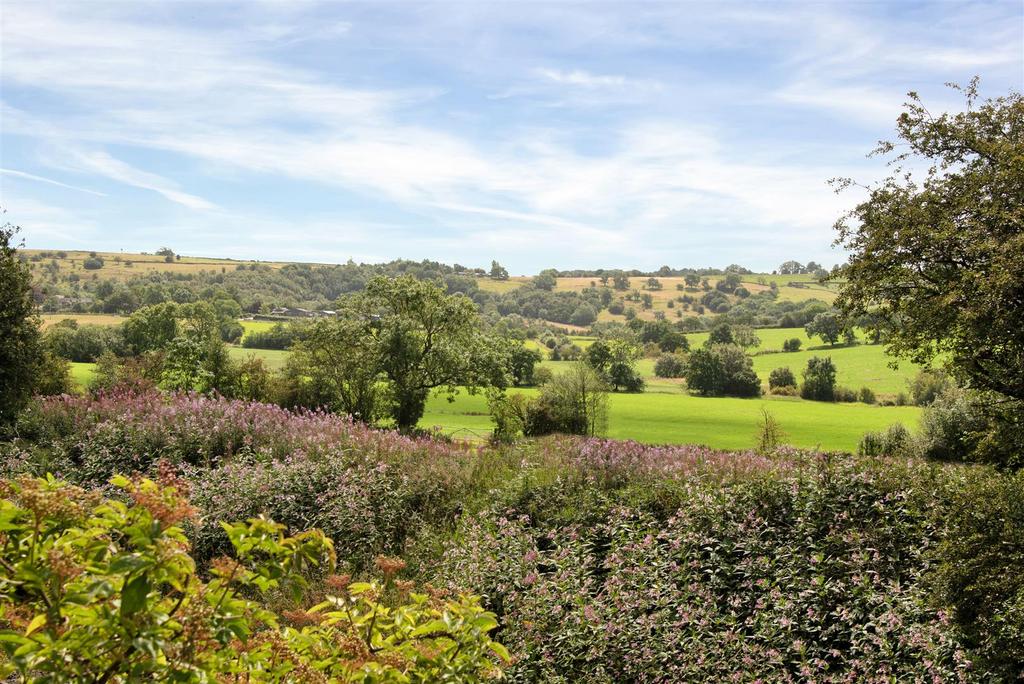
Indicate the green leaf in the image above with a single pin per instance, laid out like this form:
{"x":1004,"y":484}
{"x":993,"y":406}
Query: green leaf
{"x":133,"y":596}
{"x":500,"y":651}
{"x":37,"y":622}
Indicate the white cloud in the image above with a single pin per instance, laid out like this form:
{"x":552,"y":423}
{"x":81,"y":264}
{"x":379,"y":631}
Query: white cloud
{"x":103,"y":164}
{"x":50,"y":181}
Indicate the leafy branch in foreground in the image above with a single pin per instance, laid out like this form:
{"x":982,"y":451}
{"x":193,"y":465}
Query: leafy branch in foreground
{"x":99,"y":590}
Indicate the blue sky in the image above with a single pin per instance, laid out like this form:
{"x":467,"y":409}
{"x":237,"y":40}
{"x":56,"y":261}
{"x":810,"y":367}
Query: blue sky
{"x":540,"y":134}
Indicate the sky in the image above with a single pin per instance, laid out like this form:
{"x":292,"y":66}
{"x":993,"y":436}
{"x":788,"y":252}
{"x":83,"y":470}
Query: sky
{"x":544,"y":135}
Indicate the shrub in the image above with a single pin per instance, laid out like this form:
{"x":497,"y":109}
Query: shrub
{"x":895,"y":441}
{"x":866,"y":396}
{"x":718,"y":577}
{"x":786,"y":391}
{"x":542,"y":376}
{"x":108,"y":592}
{"x":819,"y":379}
{"x":722,"y":369}
{"x":927,"y":386}
{"x":573,"y":402}
{"x":92,"y":263}
{"x":792,"y":345}
{"x":980,"y":573}
{"x":670,"y":366}
{"x":950,"y":427}
{"x":844,"y":394}
{"x":781,"y":377}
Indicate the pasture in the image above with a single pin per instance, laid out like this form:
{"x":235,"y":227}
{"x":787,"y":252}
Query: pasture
{"x":49,"y":320}
{"x":725,"y":423}
{"x":122,"y":266}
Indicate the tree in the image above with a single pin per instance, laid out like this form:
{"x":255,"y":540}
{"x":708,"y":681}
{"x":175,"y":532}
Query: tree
{"x":792,"y":344}
{"x":653,"y":284}
{"x":545,"y":281}
{"x":670,"y":366}
{"x":151,"y":327}
{"x":826,"y":326}
{"x":21,"y":349}
{"x":336,"y":362}
{"x":620,"y":281}
{"x":739,"y":380}
{"x":745,"y":336}
{"x":819,"y":379}
{"x":938,"y":259}
{"x":791,"y":268}
{"x":704,"y":372}
{"x":584,"y":315}
{"x":498,"y":272}
{"x":425,"y":339}
{"x":573,"y":402}
{"x":615,"y":360}
{"x":781,"y":377}
{"x":522,"y":363}
{"x":691,"y":279}
{"x":720,"y":334}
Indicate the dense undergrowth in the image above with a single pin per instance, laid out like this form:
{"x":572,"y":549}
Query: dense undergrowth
{"x":606,"y":561}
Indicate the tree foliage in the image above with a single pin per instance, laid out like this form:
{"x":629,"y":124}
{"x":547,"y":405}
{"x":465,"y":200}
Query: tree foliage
{"x":938,"y":258}
{"x":21,"y":350}
{"x":105,"y":591}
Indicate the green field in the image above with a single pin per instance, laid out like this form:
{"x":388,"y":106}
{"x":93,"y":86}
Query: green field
{"x":666,"y":414}
{"x":274,"y":358}
{"x":82,"y":373}
{"x":723,"y":423}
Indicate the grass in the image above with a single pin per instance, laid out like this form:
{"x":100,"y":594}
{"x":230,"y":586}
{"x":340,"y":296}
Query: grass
{"x":274,"y":358}
{"x":82,"y":373}
{"x":123,"y":266}
{"x":858,"y":366}
{"x":725,"y":423}
{"x":82,"y":319}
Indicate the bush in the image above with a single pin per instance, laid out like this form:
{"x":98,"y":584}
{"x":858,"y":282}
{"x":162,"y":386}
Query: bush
{"x":927,"y":386}
{"x":866,"y":396}
{"x":980,"y":574}
{"x":950,"y":427}
{"x":722,"y":369}
{"x":895,"y":441}
{"x":670,"y":366}
{"x":542,"y":376}
{"x":792,"y":345}
{"x":574,"y":402}
{"x":92,"y":263}
{"x":781,"y":377}
{"x":108,"y":592}
{"x":718,"y":576}
{"x":819,"y":379}
{"x":786,"y":391}
{"x":844,"y":394}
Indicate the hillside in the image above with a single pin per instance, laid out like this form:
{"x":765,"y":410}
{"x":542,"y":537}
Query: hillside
{"x":119,"y":283}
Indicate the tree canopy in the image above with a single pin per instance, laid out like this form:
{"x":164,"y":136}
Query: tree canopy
{"x":938,"y":259}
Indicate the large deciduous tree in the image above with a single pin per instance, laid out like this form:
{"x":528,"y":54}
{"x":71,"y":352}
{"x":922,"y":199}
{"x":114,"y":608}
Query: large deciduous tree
{"x":21,"y":350}
{"x":938,"y":256}
{"x":425,"y":339}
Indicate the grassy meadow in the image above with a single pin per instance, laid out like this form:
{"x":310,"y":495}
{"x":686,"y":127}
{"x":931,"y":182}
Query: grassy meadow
{"x":723,"y":423}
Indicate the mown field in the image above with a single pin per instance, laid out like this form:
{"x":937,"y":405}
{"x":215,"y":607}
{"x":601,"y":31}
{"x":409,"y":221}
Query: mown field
{"x":124,"y":266}
{"x":722,"y":423}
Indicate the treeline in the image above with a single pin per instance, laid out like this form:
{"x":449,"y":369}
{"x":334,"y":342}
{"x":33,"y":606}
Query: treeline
{"x":258,"y":288}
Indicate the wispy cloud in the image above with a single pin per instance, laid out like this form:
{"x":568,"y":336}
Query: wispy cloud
{"x":103,"y":164}
{"x":50,"y":181}
{"x":653,"y":133}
